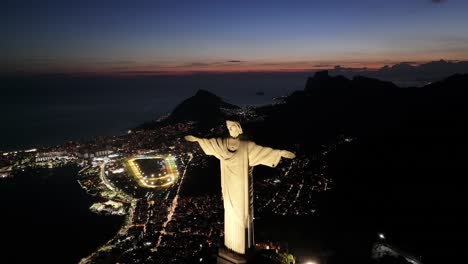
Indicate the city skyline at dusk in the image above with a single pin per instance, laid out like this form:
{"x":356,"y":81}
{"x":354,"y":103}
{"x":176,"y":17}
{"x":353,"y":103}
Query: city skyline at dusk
{"x":156,"y":37}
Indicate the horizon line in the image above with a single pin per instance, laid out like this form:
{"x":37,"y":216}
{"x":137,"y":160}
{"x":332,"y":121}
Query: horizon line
{"x":211,"y":71}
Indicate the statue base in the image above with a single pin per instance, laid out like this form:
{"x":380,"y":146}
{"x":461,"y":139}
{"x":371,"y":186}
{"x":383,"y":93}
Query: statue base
{"x":226,"y":256}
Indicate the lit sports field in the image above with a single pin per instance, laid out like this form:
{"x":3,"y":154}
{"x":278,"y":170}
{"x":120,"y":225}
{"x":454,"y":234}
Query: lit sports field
{"x":153,"y":171}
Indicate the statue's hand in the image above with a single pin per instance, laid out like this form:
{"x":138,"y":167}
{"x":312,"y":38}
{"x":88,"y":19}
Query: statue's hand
{"x":287,"y":154}
{"x":191,"y":138}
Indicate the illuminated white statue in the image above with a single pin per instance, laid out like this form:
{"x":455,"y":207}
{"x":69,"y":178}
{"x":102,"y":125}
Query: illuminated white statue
{"x":237,"y":157}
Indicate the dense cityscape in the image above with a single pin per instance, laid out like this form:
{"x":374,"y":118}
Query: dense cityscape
{"x":169,"y":224}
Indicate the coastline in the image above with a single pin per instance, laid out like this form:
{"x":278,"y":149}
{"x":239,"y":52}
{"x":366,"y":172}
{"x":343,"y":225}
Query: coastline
{"x":48,"y":203}
{"x":122,"y":231}
{"x":108,"y":246}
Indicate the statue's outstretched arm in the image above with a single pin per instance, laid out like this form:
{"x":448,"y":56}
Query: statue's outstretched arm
{"x":211,"y":146}
{"x":191,"y":138}
{"x":287,"y":154}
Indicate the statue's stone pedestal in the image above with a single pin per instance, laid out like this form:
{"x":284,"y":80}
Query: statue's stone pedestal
{"x":226,"y":256}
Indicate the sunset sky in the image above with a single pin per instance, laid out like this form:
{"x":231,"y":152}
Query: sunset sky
{"x":167,"y":37}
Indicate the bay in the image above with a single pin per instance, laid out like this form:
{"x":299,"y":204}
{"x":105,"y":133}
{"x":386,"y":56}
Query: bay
{"x":45,"y":218}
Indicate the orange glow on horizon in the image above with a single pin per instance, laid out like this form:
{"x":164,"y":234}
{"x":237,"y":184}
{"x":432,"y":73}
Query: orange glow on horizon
{"x":226,"y":67}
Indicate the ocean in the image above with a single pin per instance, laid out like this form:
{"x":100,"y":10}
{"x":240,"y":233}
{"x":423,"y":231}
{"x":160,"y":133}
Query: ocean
{"x":46,"y":110}
{"x":45,"y":218}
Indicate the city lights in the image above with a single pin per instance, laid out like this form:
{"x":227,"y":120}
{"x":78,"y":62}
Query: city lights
{"x":147,"y":178}
{"x":381,"y":236}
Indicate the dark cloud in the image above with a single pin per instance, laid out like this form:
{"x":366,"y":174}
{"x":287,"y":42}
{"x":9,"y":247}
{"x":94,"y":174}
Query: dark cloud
{"x":143,"y":72}
{"x":205,"y":64}
{"x":410,"y":62}
{"x":290,"y":63}
{"x":438,"y":1}
{"x":322,"y":65}
{"x":271,"y":64}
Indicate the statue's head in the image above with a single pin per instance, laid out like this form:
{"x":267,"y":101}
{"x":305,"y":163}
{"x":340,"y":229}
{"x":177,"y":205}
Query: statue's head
{"x":234,"y":128}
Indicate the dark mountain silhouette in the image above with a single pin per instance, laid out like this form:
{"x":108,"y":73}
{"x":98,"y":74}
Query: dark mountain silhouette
{"x":454,"y":82}
{"x":202,"y":107}
{"x":402,"y":176}
{"x":323,"y":81}
{"x":365,"y":106}
{"x":407,"y":73}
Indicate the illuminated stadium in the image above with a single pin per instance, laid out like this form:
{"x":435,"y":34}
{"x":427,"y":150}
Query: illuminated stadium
{"x":153,"y":171}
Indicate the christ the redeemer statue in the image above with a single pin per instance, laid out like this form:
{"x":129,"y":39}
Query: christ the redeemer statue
{"x":237,"y":157}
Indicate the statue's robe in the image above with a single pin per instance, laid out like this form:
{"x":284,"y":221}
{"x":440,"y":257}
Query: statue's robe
{"x":236,"y":184}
